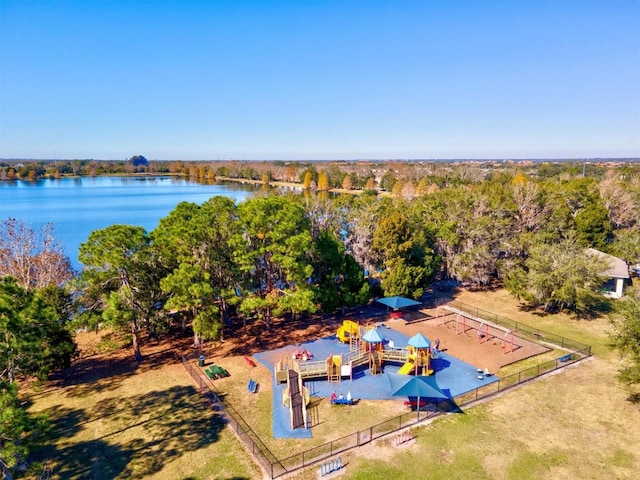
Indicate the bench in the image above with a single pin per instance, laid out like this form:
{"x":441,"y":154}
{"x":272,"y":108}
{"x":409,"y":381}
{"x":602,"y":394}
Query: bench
{"x":250,"y":362}
{"x":414,"y":403}
{"x":566,"y":358}
{"x":252,"y":386}
{"x":343,"y":401}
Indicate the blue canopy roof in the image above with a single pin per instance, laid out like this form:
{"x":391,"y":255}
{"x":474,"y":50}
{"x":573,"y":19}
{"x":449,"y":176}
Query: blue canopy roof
{"x":397,"y":302}
{"x":415,"y":386}
{"x":372,"y":336}
{"x":419,"y":341}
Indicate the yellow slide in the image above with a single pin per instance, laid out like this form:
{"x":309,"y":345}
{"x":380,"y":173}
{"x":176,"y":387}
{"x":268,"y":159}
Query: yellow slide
{"x":407,"y":368}
{"x":348,"y":329}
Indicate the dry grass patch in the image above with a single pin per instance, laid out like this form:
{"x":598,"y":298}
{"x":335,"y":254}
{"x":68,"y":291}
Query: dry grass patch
{"x":115,"y":419}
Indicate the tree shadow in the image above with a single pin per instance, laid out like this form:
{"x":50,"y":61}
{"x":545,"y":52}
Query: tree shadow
{"x":634,"y":398}
{"x":90,"y":460}
{"x":141,"y":434}
{"x":103,"y":373}
{"x":94,"y":374}
{"x":66,"y":422}
{"x":591,"y":313}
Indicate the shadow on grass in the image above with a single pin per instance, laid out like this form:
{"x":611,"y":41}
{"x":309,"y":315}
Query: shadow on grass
{"x":136,"y":436}
{"x":634,"y":398}
{"x":100,"y":373}
{"x":592,"y":312}
{"x":92,"y":375}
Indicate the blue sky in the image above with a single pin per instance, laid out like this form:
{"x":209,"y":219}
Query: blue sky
{"x":311,"y":79}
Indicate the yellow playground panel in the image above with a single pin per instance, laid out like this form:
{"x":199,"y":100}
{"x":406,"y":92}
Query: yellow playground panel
{"x":348,"y":331}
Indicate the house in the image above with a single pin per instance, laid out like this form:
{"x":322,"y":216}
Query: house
{"x":618,"y":274}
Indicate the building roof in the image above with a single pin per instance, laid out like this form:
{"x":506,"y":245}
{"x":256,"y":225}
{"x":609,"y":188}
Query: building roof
{"x":617,"y":267}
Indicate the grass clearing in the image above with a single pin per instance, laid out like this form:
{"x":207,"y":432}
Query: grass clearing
{"x":151,"y":423}
{"x":137,"y":424}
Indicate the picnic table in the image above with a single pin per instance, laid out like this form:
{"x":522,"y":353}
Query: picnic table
{"x":216,"y":371}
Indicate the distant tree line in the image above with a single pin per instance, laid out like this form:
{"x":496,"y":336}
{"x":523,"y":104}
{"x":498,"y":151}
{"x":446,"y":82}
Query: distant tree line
{"x":402,"y":178}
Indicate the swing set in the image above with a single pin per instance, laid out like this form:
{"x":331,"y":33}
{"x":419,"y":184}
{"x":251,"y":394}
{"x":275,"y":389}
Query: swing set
{"x":465,"y":322}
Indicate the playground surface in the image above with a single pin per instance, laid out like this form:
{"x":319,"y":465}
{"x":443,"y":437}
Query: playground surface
{"x":453,"y":375}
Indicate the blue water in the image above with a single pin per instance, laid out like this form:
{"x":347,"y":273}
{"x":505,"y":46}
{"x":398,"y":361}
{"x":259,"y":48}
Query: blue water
{"x":78,"y":206}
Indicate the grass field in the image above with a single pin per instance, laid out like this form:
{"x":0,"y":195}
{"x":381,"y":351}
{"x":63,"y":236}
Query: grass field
{"x":134,"y":422}
{"x":138,"y":423}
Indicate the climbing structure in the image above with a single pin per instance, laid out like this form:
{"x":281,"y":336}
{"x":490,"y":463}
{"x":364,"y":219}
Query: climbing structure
{"x":418,"y":356}
{"x":334,"y":368}
{"x":373,"y":344}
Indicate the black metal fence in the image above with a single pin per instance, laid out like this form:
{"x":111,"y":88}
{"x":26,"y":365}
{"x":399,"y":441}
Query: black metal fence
{"x":245,"y":433}
{"x":278,"y":467}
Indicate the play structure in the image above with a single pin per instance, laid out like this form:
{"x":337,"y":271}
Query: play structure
{"x":418,"y":356}
{"x":369,"y":350}
{"x":486,"y":331}
{"x":349,"y":332}
{"x":366,"y":349}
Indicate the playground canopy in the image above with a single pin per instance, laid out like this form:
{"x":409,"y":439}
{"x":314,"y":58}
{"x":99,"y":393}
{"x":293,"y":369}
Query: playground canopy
{"x":372,"y":336}
{"x":415,"y":386}
{"x":419,"y":341}
{"x":397,"y":302}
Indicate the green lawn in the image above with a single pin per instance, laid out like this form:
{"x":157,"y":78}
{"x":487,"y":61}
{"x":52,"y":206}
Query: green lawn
{"x":138,"y":424}
{"x":149,"y":422}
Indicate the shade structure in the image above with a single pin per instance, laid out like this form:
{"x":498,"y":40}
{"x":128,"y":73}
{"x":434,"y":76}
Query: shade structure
{"x":397,"y":302}
{"x":372,"y":336}
{"x":419,"y":341}
{"x":415,"y":386}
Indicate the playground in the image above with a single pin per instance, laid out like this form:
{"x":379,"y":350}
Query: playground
{"x":357,"y":361}
{"x":102,"y":392}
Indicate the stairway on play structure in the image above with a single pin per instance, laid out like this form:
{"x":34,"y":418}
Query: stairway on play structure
{"x":334,"y":368}
{"x":295,"y":396}
{"x":375,"y":362}
{"x":296,"y":401}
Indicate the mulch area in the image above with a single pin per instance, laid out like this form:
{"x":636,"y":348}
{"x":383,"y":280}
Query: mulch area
{"x":254,"y":338}
{"x":244,"y":340}
{"x":465,"y":346}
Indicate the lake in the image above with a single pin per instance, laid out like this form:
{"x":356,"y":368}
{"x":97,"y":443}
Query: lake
{"x":78,"y":206}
